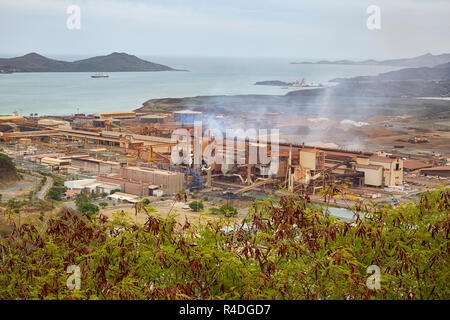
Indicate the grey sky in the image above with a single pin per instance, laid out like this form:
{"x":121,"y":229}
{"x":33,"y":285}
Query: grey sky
{"x":331,"y":29}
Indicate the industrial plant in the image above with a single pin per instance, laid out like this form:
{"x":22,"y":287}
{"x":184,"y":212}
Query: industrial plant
{"x":131,"y":152}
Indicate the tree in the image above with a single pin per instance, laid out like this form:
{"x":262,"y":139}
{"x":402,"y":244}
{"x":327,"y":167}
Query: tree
{"x":103,"y":204}
{"x":55,"y":194}
{"x":196,"y":205}
{"x":84,"y":206}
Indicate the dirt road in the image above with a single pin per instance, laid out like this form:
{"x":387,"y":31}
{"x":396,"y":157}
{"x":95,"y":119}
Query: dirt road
{"x":41,"y":194}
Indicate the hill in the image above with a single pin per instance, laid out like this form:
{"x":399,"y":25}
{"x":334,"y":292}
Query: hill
{"x":8,"y":171}
{"x":426,"y":60}
{"x":118,"y":62}
{"x":411,"y":82}
{"x":437,"y":73}
{"x":114,"y":62}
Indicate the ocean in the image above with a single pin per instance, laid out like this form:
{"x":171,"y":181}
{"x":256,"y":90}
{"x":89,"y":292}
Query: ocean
{"x":69,"y":93}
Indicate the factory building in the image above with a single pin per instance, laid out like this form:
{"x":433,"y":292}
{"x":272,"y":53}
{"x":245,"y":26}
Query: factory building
{"x":312,"y":159}
{"x":168,"y":181}
{"x":100,"y":123}
{"x":117,"y":115}
{"x":392,"y":169}
{"x":187,"y":116}
{"x":151,"y":118}
{"x":52,"y":123}
{"x":13,"y":119}
{"x":77,"y":184}
{"x":131,"y":187}
{"x":412,"y":165}
{"x":95,"y":166}
{"x":55,"y":163}
{"x":145,"y":181}
{"x":380,"y":171}
{"x":443,"y":171}
{"x":373,"y":175}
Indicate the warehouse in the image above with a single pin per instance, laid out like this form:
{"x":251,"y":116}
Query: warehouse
{"x":55,"y":163}
{"x":117,"y":115}
{"x":100,"y":123}
{"x":132,"y":187}
{"x":169,"y":182}
{"x":13,"y":119}
{"x":443,"y":171}
{"x":151,"y":118}
{"x":96,"y":166}
{"x":107,"y":187}
{"x":412,"y":165}
{"x":77,"y":184}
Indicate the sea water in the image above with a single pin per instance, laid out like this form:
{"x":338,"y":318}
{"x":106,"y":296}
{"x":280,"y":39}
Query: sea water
{"x":76,"y":92}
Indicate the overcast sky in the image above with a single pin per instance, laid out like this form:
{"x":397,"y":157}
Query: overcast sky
{"x":331,"y":29}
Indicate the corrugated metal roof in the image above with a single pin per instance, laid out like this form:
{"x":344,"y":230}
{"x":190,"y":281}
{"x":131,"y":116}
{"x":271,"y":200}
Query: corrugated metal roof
{"x":9,"y":118}
{"x":442,"y":168}
{"x":120,"y":112}
{"x":415,"y":164}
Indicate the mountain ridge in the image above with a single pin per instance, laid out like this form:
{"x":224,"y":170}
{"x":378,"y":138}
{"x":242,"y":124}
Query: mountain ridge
{"x":426,"y":60}
{"x":113,"y":62}
{"x":408,"y":82}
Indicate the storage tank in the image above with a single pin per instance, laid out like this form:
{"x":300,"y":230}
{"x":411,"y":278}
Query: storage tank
{"x":187,"y":116}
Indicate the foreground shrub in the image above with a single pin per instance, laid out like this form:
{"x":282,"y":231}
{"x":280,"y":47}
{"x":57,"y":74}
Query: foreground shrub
{"x":283,"y":249}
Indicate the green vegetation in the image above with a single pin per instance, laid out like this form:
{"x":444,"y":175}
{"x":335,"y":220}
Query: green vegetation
{"x":196,"y":205}
{"x":283,"y":249}
{"x":195,"y":195}
{"x":15,"y":204}
{"x":57,"y":181}
{"x":55,"y":193}
{"x":103,"y":204}
{"x":84,"y":206}
{"x":226,"y":210}
{"x":89,"y":208}
{"x":151,"y":209}
{"x":145,"y":202}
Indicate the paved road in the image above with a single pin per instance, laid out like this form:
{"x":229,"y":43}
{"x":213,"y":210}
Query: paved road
{"x":41,"y":194}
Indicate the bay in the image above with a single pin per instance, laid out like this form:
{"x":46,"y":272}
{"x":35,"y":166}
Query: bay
{"x":69,"y":93}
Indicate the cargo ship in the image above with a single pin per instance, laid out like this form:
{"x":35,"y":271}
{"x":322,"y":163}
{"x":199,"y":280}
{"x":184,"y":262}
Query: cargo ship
{"x":100,"y":75}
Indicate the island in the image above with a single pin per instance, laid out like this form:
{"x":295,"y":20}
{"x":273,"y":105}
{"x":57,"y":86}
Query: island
{"x":272,"y":83}
{"x":114,"y":62}
{"x":297,"y":84}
